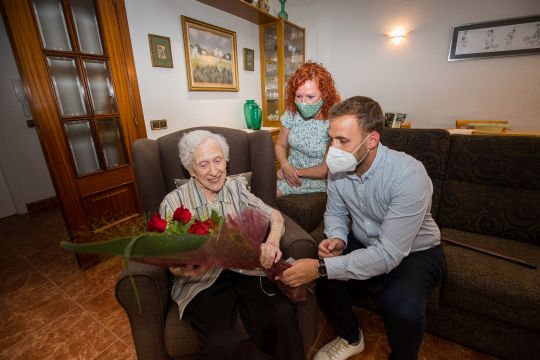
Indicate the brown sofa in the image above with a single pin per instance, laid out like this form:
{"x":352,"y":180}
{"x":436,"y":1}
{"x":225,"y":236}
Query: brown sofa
{"x":157,"y":330}
{"x":486,"y":194}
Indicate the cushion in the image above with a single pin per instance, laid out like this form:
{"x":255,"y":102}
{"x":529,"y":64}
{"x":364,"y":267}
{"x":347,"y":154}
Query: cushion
{"x":245,"y":178}
{"x":493,"y":287}
{"x":307,"y":210}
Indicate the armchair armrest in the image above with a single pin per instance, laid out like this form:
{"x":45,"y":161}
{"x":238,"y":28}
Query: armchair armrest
{"x":147,"y":326}
{"x":296,"y":242}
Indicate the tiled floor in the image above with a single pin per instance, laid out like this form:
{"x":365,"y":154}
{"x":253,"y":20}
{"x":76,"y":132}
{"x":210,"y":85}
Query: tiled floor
{"x":51,"y":310}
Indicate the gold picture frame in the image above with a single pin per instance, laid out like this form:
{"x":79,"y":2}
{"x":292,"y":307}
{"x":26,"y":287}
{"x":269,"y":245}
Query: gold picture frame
{"x":160,"y":51}
{"x":211,"y":58}
{"x":249,"y":59}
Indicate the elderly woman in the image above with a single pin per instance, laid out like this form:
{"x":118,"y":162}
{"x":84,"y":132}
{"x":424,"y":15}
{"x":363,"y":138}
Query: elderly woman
{"x":212,"y":298}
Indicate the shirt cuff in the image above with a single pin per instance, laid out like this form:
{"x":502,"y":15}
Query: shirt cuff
{"x":336,"y":267}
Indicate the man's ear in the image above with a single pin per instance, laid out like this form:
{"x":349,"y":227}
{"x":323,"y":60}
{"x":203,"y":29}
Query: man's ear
{"x":374,"y":139}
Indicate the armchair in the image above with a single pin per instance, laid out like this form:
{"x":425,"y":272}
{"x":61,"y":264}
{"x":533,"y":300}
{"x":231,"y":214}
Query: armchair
{"x":158,"y":332}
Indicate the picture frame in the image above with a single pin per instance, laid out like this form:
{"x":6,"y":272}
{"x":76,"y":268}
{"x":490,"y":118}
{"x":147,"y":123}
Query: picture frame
{"x":249,"y":59}
{"x":160,"y":51}
{"x":506,"y":37}
{"x":211,"y":58}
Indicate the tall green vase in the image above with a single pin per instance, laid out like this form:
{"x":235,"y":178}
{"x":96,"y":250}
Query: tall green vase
{"x":256,"y":117}
{"x":247,"y":114}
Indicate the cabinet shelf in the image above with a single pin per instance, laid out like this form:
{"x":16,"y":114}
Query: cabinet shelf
{"x":243,"y":10}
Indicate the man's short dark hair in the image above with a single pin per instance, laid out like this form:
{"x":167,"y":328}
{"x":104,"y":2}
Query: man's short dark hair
{"x":367,"y":111}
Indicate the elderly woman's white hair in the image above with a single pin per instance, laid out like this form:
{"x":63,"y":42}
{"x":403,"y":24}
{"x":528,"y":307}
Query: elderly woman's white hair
{"x":191,"y":141}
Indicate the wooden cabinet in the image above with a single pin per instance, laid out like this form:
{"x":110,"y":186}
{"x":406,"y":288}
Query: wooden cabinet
{"x":282,"y":51}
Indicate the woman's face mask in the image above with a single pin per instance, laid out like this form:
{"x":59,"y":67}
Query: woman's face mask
{"x":309,"y":110}
{"x":339,"y":160}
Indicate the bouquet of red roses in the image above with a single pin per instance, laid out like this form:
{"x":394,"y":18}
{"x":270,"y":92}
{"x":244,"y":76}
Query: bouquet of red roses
{"x":233,"y":243}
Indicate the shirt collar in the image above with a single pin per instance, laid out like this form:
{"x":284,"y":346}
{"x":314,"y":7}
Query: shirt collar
{"x":199,"y":199}
{"x":377,"y":162}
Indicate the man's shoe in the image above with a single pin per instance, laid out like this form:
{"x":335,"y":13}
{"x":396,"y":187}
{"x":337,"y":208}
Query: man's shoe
{"x":339,"y":349}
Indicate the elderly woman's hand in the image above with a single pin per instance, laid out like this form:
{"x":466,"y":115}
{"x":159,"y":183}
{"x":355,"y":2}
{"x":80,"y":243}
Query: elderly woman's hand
{"x":270,"y":254}
{"x":291,"y":176}
{"x":188,"y":270}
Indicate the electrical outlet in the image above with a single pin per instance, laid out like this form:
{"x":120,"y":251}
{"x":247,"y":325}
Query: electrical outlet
{"x":155,"y":124}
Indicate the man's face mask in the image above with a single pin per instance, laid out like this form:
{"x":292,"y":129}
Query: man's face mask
{"x":339,"y":160}
{"x":309,"y":110}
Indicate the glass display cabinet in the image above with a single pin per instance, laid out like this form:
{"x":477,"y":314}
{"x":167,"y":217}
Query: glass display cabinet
{"x":282,"y":47}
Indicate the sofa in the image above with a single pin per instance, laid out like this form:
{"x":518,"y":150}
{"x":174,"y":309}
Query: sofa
{"x":158,"y":332}
{"x":486,"y":195}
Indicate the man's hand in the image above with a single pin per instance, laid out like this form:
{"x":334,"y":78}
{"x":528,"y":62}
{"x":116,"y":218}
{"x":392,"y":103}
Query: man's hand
{"x":331,"y":248}
{"x":303,"y":271}
{"x":270,"y":254}
{"x":188,"y":270}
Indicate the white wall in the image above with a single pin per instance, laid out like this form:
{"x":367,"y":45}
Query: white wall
{"x":21,"y":157}
{"x":164,"y":91}
{"x":347,"y":36}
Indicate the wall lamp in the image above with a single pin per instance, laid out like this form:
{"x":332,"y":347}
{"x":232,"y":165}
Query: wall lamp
{"x":397,"y":36}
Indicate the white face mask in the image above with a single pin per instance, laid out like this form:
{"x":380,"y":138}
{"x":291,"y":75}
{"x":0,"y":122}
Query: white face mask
{"x":343,"y":161}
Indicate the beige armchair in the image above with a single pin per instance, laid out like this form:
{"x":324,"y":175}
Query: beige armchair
{"x":158,"y":332}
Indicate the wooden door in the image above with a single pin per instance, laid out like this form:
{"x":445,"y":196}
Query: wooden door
{"x":76,"y":63}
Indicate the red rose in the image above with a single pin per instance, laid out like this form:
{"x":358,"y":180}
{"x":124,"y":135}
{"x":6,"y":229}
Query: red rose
{"x":156,"y":223}
{"x":212,"y":225}
{"x":182,"y":214}
{"x":199,"y":228}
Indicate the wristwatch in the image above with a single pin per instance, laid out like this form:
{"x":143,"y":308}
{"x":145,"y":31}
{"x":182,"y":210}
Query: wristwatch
{"x":322,"y":268}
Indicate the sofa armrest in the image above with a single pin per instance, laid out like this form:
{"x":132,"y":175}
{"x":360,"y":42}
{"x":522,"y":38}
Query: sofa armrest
{"x":148,"y":325}
{"x":296,"y":242}
{"x":306,"y":209}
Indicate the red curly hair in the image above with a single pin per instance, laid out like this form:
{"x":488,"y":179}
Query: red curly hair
{"x":320,"y":76}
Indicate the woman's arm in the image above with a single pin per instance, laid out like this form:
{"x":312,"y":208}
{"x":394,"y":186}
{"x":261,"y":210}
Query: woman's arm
{"x":270,"y":252}
{"x":315,"y":172}
{"x":290,"y":173}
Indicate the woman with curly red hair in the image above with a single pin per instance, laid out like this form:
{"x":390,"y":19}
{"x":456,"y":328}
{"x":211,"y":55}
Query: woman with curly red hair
{"x":310,"y":92}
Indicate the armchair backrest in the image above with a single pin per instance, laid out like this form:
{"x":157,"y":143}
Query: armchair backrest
{"x":157,"y":163}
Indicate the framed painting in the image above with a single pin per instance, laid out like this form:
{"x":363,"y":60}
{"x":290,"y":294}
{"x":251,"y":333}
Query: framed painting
{"x":160,"y":51}
{"x":516,"y":36}
{"x":211,"y":59}
{"x":249,"y":59}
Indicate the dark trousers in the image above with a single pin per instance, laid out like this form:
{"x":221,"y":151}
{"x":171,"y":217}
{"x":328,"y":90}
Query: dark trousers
{"x":403,"y":300}
{"x":269,"y":320}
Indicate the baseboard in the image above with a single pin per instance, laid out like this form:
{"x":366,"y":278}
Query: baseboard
{"x":44,"y":204}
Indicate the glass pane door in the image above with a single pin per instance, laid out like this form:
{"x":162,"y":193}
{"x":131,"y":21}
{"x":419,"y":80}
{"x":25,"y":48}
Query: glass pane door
{"x":80,"y":74}
{"x":293,"y":50}
{"x":271,"y":91}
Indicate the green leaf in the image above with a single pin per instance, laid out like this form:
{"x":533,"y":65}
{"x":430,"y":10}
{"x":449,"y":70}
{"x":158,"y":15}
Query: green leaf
{"x":151,"y":244}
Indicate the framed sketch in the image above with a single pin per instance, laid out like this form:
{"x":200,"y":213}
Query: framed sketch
{"x":249,"y":59}
{"x":160,"y":51}
{"x":516,"y":36}
{"x":211,"y":60}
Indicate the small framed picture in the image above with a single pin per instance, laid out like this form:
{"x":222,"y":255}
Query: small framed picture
{"x":160,"y":51}
{"x":249,"y":59}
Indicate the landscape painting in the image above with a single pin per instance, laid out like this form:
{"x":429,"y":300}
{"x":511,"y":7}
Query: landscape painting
{"x":211,"y":60}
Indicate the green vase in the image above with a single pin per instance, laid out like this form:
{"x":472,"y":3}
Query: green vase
{"x":283,"y":13}
{"x":256,"y":117}
{"x":247,"y":115}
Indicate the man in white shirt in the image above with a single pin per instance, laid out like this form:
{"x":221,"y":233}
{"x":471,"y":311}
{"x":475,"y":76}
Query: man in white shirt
{"x":392,"y":237}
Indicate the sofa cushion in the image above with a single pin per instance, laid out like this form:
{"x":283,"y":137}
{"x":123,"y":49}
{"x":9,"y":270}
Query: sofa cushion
{"x":307,"y":210}
{"x":490,"y":286}
{"x":430,"y":146}
{"x":492,"y":187}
